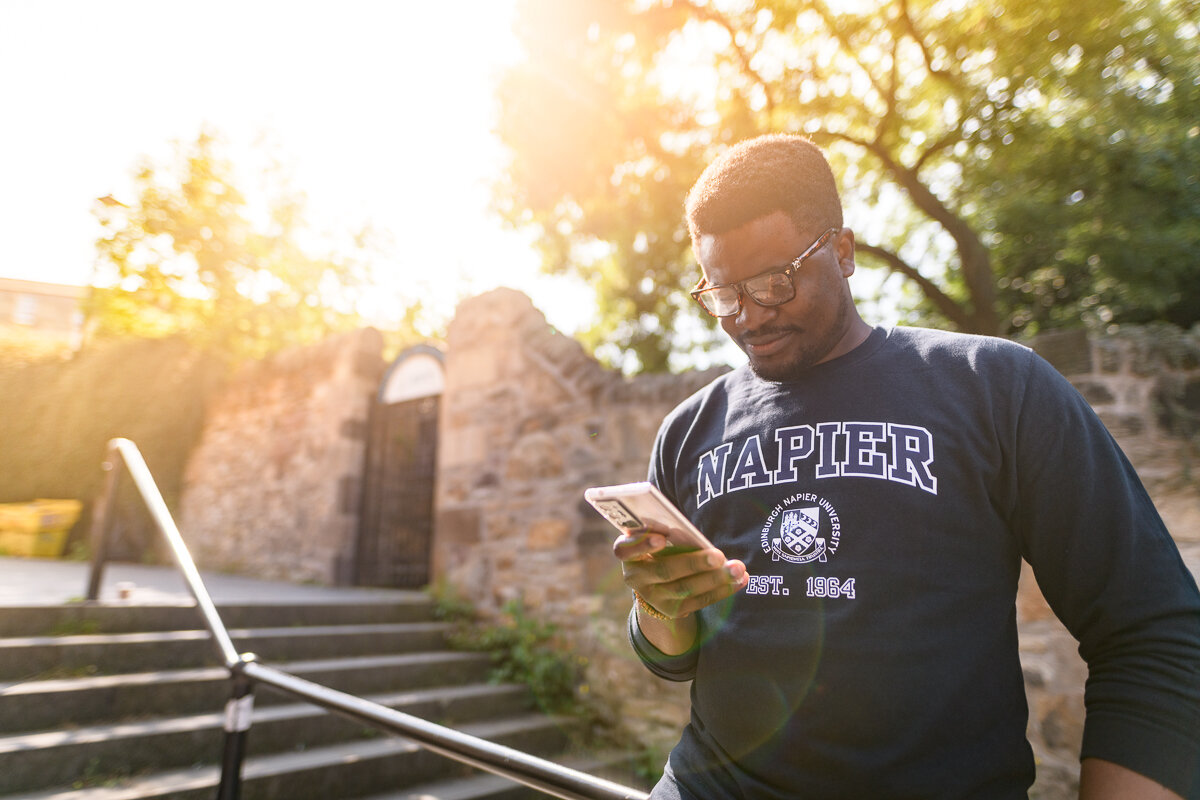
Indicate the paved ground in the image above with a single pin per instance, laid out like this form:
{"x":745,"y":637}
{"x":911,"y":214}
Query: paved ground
{"x":37,"y":581}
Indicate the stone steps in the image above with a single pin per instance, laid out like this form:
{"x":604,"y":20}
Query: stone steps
{"x":342,"y":770}
{"x":486,"y":786}
{"x":32,"y":657}
{"x":117,"y":617}
{"x":36,"y":760}
{"x":122,"y":702}
{"x":38,"y":705}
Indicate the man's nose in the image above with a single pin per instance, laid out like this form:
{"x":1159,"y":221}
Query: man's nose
{"x":752,"y":315}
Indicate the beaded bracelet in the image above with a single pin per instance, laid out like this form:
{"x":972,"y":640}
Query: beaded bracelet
{"x":651,"y":610}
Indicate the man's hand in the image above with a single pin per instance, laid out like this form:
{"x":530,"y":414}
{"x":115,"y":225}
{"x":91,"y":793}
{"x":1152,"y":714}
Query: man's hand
{"x":674,"y":586}
{"x":1104,"y":780}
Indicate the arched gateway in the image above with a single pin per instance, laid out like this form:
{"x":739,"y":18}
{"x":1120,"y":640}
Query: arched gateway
{"x":396,"y":524}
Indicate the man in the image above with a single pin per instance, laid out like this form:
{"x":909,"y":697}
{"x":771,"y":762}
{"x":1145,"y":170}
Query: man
{"x":872,"y":493}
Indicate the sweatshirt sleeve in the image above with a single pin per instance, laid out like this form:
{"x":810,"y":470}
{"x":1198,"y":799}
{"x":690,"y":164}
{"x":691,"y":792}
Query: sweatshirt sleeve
{"x":671,"y":668}
{"x":1110,"y":570}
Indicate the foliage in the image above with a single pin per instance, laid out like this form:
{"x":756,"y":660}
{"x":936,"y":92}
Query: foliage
{"x":58,"y":416}
{"x":1099,"y":223}
{"x":19,"y":347}
{"x":449,"y":605}
{"x":523,"y":650}
{"x":941,"y":117}
{"x":193,"y":256}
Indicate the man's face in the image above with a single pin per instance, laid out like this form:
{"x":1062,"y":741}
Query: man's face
{"x":818,"y":324}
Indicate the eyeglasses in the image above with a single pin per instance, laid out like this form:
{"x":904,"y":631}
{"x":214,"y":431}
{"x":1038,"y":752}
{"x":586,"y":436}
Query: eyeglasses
{"x":767,"y":289}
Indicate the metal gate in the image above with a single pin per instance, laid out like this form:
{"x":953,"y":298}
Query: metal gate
{"x":396,"y":524}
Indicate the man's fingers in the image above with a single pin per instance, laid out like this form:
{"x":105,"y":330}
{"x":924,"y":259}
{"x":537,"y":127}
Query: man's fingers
{"x":727,"y":588}
{"x":679,"y":597}
{"x":679,"y":583}
{"x":638,"y":544}
{"x":668,"y":568}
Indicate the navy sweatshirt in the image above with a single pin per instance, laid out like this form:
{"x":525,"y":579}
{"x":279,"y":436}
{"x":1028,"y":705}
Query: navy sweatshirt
{"x":882,"y":505}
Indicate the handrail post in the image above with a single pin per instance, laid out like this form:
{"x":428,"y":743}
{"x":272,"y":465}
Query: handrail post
{"x":102,"y":522}
{"x":238,"y":712}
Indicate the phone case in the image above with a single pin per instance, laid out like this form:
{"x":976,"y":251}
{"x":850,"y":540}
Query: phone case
{"x":633,"y":505}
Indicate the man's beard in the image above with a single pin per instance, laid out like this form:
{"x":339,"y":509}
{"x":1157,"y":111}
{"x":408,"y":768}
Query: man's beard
{"x":808,"y":355}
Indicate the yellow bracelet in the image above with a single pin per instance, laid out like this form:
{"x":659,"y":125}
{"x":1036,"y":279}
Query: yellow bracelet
{"x":651,"y":610}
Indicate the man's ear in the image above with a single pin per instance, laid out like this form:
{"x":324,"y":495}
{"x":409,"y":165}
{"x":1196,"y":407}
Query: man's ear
{"x":844,"y":245}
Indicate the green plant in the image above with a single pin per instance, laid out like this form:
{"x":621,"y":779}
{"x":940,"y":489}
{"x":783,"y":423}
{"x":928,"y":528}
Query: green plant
{"x":528,"y":651}
{"x":98,"y":774}
{"x":58,"y":673}
{"x":449,"y":603}
{"x":79,"y":551}
{"x":75,"y":627}
{"x":647,"y":764}
{"x":93,"y":775}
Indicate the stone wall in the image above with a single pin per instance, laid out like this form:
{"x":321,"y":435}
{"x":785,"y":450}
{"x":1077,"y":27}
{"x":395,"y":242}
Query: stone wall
{"x":1145,"y":385}
{"x":273,"y":487}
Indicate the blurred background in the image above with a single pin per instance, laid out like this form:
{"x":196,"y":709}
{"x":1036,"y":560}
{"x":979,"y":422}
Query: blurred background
{"x":368,"y":129}
{"x":1010,"y":167}
{"x":267,"y":242}
{"x":236,"y":178}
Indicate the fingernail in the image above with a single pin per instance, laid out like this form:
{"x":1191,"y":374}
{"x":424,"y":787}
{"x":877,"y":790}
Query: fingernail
{"x":735,"y":569}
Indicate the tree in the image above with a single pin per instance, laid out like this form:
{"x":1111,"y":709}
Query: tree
{"x":618,"y":106}
{"x":191,"y":256}
{"x":1099,"y":221}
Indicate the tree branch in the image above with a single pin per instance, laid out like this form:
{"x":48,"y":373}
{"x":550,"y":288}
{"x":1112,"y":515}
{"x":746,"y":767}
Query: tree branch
{"x":844,"y":41}
{"x":952,"y":137}
{"x":974,"y":259}
{"x":943,"y":302}
{"x":713,"y":15}
{"x":910,"y":27}
{"x":954,"y":134}
{"x":889,"y":97}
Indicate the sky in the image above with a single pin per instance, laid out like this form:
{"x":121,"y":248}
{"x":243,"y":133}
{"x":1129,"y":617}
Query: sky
{"x":381,"y":111}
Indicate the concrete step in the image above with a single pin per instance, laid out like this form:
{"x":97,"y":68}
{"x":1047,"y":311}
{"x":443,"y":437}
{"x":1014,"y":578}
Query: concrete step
{"x":56,"y":758}
{"x":48,"y":704}
{"x":118,"y":617}
{"x":33,"y":657}
{"x":344,"y":770}
{"x":486,"y":786}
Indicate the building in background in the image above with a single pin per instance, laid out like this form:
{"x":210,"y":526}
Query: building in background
{"x":49,"y":313}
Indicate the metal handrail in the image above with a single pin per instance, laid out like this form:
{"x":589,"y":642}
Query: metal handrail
{"x":123,"y":451}
{"x":245,"y":671}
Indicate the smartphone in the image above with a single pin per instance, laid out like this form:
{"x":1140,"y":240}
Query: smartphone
{"x":633,"y":505}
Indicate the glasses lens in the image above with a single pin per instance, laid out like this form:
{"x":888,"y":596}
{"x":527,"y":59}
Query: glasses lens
{"x":772,"y":289}
{"x":720,"y":301}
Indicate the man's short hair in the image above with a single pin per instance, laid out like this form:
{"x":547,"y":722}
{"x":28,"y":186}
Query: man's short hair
{"x":759,"y":176}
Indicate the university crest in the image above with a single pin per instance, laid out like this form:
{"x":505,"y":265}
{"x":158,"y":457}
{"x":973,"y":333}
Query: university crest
{"x":800,"y":539}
